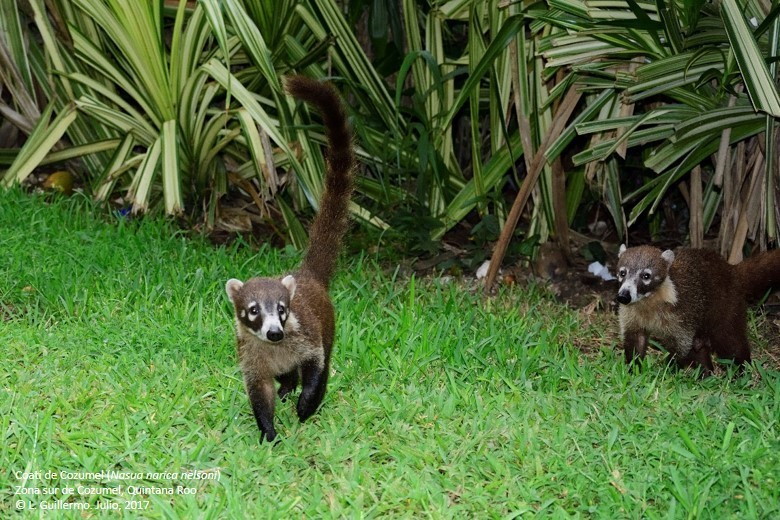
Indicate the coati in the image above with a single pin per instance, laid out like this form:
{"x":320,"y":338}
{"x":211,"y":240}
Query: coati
{"x":285,"y":325}
{"x":693,"y":302}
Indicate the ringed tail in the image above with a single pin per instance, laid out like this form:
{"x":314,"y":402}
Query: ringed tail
{"x":331,"y":222}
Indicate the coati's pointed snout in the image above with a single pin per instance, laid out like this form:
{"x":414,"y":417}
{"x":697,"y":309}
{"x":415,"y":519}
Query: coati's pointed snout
{"x":275,"y":335}
{"x":624,"y":297}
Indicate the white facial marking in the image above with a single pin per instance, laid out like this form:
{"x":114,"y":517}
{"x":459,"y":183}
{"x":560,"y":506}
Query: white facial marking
{"x":243,"y":313}
{"x":257,"y":333}
{"x":630,"y":286}
{"x":271,"y":320}
{"x":272,"y":316}
{"x":270,"y":323}
{"x":253,"y":311}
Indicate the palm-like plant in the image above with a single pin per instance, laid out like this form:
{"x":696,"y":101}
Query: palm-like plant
{"x":173,"y":104}
{"x":131,"y":100}
{"x":687,"y":85}
{"x":187,"y":101}
{"x":497,"y":86}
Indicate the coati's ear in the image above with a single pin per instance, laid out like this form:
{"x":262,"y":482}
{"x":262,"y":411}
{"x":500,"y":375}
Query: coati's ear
{"x":621,"y":250}
{"x":289,"y":282}
{"x":668,"y":255}
{"x":232,"y":287}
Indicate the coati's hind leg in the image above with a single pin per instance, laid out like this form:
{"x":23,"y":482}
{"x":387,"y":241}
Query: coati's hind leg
{"x":742,"y":356}
{"x":314,"y":380}
{"x":634,"y":347}
{"x":698,"y":356}
{"x":289,"y":382}
{"x":733,"y":345}
{"x":261,"y":397}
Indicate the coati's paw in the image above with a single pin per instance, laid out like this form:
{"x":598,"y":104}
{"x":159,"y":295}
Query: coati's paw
{"x":304,"y":411}
{"x":307,"y":405}
{"x":268,"y":436}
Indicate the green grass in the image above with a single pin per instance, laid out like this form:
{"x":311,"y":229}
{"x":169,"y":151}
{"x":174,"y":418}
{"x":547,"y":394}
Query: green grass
{"x":117,"y":353}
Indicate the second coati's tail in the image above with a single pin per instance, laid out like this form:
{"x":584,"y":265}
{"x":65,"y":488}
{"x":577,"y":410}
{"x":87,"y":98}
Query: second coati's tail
{"x":759,"y":273}
{"x":331,"y":222}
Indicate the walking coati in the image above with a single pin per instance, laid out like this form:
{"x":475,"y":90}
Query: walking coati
{"x":285,"y":325}
{"x":692,"y":302}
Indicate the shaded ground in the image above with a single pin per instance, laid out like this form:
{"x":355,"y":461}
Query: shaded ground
{"x":594,"y":298}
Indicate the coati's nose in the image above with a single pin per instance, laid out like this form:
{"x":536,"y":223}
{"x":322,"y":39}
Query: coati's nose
{"x":624,"y":297}
{"x":275,"y":335}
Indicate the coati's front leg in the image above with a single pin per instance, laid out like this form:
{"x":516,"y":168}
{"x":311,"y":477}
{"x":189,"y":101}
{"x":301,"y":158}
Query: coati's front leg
{"x":634,"y":347}
{"x":698,"y":356}
{"x":314,"y":376}
{"x":261,"y":397}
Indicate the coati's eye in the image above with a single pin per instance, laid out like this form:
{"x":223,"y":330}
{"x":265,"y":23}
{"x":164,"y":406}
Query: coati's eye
{"x":646,"y":276}
{"x":622,"y":272}
{"x":280,"y":309}
{"x":254,"y":310}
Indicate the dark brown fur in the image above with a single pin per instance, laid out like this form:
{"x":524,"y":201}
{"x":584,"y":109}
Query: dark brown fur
{"x":285,"y":326}
{"x":330,"y":226}
{"x":759,"y":273}
{"x":695,"y":307}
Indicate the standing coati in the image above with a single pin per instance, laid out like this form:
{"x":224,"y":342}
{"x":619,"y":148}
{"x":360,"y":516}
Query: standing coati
{"x":285,"y":326}
{"x":693,"y":302}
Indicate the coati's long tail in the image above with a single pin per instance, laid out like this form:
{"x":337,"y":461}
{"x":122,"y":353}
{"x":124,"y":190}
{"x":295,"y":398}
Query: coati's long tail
{"x":330,"y":224}
{"x":760,"y":273}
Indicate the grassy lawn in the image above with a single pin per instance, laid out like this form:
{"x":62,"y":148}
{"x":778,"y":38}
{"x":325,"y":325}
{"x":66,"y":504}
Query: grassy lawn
{"x":117,"y":354}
